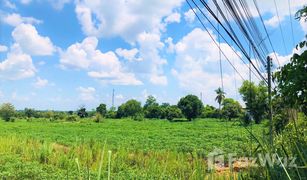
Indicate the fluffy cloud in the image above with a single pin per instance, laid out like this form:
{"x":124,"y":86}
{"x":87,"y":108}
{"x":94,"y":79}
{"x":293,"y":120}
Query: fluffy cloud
{"x":268,"y":7}
{"x":3,"y":48}
{"x":102,"y":66}
{"x":39,"y":83}
{"x":86,"y":93}
{"x":28,"y":39}
{"x":189,"y":16}
{"x":9,"y":4}
{"x":26,"y":2}
{"x":126,"y":19}
{"x":15,"y":19}
{"x":172,"y":18}
{"x":17,"y":66}
{"x":129,"y":55}
{"x":197,"y":62}
{"x":152,"y":63}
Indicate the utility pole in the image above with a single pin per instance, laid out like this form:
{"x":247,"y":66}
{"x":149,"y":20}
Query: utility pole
{"x":269,"y":63}
{"x":113,"y":98}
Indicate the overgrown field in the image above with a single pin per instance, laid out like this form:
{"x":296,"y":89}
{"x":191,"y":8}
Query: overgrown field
{"x":120,"y":149}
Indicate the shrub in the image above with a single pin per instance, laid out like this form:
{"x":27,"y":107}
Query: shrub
{"x":111,"y":113}
{"x":98,"y":118}
{"x":173,"y":112}
{"x":71,"y":118}
{"x":7,"y":111}
{"x":138,"y":117}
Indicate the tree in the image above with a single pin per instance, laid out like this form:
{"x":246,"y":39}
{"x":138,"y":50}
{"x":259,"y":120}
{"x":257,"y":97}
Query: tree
{"x":30,"y":112}
{"x":7,"y":111}
{"x":220,"y":96}
{"x":173,"y":112}
{"x":81,"y":112}
{"x":210,"y":112}
{"x":129,"y":109}
{"x":111,"y":113}
{"x":190,"y":106}
{"x":152,"y":108}
{"x":163,"y":109}
{"x":231,"y":108}
{"x":255,"y":98}
{"x":102,"y":109}
{"x":292,"y":80}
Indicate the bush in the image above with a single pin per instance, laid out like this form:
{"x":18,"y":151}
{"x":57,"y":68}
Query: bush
{"x":111,"y":113}
{"x":98,"y":118}
{"x":71,"y":118}
{"x":7,"y":111}
{"x":138,"y":117}
{"x":173,"y":112}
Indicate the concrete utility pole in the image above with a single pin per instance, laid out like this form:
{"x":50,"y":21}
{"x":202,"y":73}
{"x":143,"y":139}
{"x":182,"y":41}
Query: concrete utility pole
{"x":269,"y":63}
{"x":113,"y":98}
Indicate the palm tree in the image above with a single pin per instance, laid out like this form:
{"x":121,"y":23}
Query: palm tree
{"x":220,"y":96}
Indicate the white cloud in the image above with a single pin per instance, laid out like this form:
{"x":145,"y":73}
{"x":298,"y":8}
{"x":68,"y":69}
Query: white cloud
{"x":170,"y":45}
{"x":86,"y":93}
{"x":15,"y":19}
{"x":268,"y":7}
{"x":126,"y":19}
{"x":102,"y":66}
{"x":130,"y":55}
{"x":26,"y":2}
{"x":9,"y":4}
{"x":197,"y":66}
{"x":273,"y":22}
{"x":39,"y":83}
{"x":59,"y":4}
{"x":152,"y":64}
{"x":28,"y":39}
{"x":303,"y":24}
{"x":3,"y":48}
{"x":189,"y":16}
{"x":172,"y":18}
{"x":17,"y":66}
{"x":119,"y":96}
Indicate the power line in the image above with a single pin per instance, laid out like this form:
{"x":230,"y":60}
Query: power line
{"x":290,"y":16}
{"x":214,"y":40}
{"x":281,"y":31}
{"x":266,"y":31}
{"x":233,"y":37}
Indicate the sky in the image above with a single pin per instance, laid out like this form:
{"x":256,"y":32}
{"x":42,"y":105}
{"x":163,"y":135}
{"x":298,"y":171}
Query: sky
{"x":61,"y":54}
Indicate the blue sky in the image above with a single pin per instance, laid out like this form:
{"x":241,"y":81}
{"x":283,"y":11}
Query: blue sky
{"x":60,"y":54}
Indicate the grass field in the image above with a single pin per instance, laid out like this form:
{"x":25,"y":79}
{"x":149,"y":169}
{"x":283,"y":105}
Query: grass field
{"x":153,"y":149}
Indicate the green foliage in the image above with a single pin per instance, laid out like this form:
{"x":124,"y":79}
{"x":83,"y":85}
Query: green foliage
{"x":190,"y":106}
{"x":30,"y":112}
{"x":220,"y":95}
{"x":255,"y":98}
{"x":210,"y":112}
{"x":111,"y":113}
{"x":81,"y":112}
{"x":173,"y":112}
{"x":7,"y":111}
{"x":98,"y":118}
{"x":292,"y":81}
{"x":129,"y":109}
{"x":138,"y":116}
{"x":231,"y":108}
{"x":102,"y":109}
{"x":302,"y":13}
{"x":71,"y":118}
{"x":152,"y":108}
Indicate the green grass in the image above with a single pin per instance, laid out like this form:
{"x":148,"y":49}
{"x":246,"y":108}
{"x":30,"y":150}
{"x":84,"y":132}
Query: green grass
{"x":150,"y":149}
{"x":202,"y":134}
